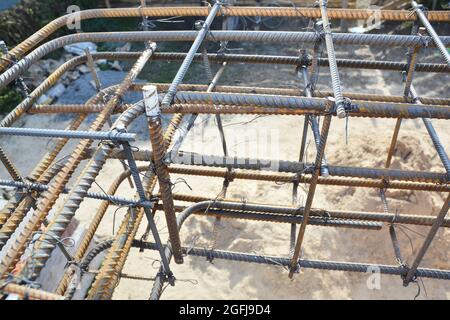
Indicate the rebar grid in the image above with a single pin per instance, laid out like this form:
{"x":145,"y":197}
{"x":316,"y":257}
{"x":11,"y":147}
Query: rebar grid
{"x":47,"y":183}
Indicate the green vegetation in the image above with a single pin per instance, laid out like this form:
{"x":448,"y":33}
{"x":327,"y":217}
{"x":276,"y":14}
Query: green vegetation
{"x":9,"y":99}
{"x":21,"y":21}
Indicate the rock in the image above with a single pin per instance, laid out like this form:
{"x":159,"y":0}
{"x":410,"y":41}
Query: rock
{"x":125,"y":48}
{"x":44,"y":99}
{"x":68,"y":56}
{"x":74,"y":75}
{"x":101,"y":61}
{"x":6,"y":193}
{"x":50,"y":65}
{"x":83,"y":69}
{"x":35,"y":75}
{"x":3,"y":203}
{"x":116,"y":66}
{"x":56,"y":91}
{"x":78,"y":48}
{"x":92,"y":82}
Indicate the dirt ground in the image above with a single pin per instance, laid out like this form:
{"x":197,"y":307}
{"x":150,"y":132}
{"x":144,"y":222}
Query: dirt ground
{"x":273,"y":137}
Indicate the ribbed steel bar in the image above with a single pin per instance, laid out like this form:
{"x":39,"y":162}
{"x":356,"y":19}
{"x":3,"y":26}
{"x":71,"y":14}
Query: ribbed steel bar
{"x":304,"y":105}
{"x":374,"y":110}
{"x":335,"y":80}
{"x":412,"y":60}
{"x":303,"y":263}
{"x":355,"y":14}
{"x":72,"y":108}
{"x":28,"y":293}
{"x":253,"y":36}
{"x":231,"y":204}
{"x":49,"y":197}
{"x":316,"y":221}
{"x":277,"y":177}
{"x":294,"y":92}
{"x":63,"y":217}
{"x":116,"y":258}
{"x":433,"y":135}
{"x":330,"y":265}
{"x":107,"y":278}
{"x":145,"y":155}
{"x":165,"y":185}
{"x":423,"y":19}
{"x":92,"y":228}
{"x":10,"y":206}
{"x":314,"y":123}
{"x":143,"y":197}
{"x":312,"y":188}
{"x":185,"y":127}
{"x":202,"y":33}
{"x":42,"y":174}
{"x":70,"y":134}
{"x":394,"y":138}
{"x":238,"y":109}
{"x":293,"y":60}
{"x":9,"y":166}
{"x":93,"y":195}
{"x":266,"y":212}
{"x":412,"y":272}
{"x":196,"y":159}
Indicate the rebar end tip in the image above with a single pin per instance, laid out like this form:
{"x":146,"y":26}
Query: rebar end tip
{"x":341,"y":113}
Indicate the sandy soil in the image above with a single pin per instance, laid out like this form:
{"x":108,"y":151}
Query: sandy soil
{"x":367,"y":145}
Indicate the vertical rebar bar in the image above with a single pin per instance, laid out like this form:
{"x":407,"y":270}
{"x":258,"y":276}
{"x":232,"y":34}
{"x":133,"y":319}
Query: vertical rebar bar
{"x":153,"y":113}
{"x":335,"y":80}
{"x":190,"y":55}
{"x":433,"y":135}
{"x":185,"y":127}
{"x":394,"y":139}
{"x":412,"y":59}
{"x":314,"y":124}
{"x":312,"y":188}
{"x":142,"y":195}
{"x":441,"y":47}
{"x":426,"y":244}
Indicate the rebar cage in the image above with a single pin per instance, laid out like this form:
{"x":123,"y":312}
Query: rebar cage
{"x":37,"y":192}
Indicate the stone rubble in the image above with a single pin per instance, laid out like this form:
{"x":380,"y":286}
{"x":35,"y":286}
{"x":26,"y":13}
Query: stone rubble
{"x":39,"y":71}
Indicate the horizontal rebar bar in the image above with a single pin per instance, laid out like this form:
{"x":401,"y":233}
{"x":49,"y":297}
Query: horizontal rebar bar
{"x":112,"y":135}
{"x":117,"y":200}
{"x":196,"y":159}
{"x":303,"y":263}
{"x":253,"y":36}
{"x":353,"y":14}
{"x":331,"y":265}
{"x":230,"y":204}
{"x":303,"y":105}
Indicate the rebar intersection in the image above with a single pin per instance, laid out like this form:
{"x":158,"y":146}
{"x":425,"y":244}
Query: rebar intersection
{"x":49,"y":180}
